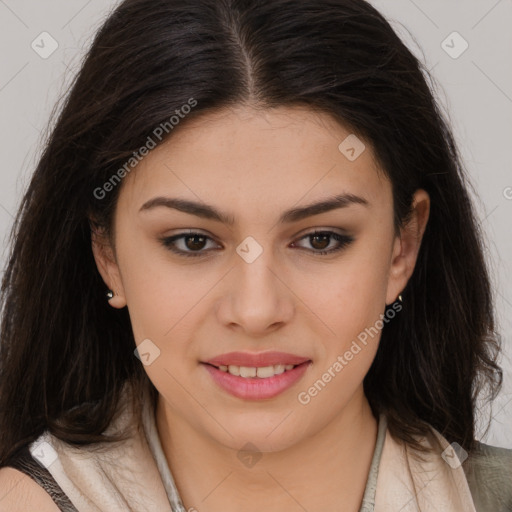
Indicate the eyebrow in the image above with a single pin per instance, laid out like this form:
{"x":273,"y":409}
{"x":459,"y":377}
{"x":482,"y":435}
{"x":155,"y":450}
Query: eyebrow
{"x":206,"y":211}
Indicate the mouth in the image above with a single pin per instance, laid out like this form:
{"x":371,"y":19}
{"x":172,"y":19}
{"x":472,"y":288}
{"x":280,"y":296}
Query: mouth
{"x":256,"y":382}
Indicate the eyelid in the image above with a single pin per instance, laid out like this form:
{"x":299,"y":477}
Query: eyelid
{"x":167,"y":242}
{"x":342,"y":239}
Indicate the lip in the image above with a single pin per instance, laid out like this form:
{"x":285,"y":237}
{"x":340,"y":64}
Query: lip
{"x":254,"y":388}
{"x":260,"y":359}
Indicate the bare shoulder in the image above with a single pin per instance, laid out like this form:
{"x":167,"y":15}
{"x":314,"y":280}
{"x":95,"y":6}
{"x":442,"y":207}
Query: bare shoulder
{"x":18,"y":492}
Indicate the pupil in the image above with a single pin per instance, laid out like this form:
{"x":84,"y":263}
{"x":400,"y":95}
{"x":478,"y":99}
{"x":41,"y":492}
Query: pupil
{"x":199,"y":245}
{"x":322,"y":246}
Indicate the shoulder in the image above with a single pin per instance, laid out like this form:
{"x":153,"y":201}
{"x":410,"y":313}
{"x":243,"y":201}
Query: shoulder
{"x":489,"y":474}
{"x":26,"y":485}
{"x":492,"y":462}
{"x":19,"y":493}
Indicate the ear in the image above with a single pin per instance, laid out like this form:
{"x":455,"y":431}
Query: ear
{"x":105,"y":258}
{"x":407,"y":245}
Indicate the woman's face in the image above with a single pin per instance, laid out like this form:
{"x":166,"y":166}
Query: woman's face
{"x":259,"y":283}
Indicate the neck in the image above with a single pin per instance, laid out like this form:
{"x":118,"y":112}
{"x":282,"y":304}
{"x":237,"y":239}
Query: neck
{"x":317,"y":473}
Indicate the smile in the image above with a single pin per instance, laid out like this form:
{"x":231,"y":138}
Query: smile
{"x":256,"y":383}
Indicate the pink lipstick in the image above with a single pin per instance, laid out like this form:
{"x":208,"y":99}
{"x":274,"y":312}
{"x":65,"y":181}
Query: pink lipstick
{"x":257,"y":376}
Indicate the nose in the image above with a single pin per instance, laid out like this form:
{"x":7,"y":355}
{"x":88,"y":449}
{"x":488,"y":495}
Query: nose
{"x":256,"y":299}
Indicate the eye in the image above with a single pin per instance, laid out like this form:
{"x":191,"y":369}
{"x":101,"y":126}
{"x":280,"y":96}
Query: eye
{"x":194,"y":244}
{"x":321,"y":239}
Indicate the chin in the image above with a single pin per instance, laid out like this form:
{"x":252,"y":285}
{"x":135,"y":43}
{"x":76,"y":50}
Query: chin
{"x":268,"y":433}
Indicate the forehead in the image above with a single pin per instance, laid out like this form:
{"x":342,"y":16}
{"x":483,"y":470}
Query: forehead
{"x":260,"y":159}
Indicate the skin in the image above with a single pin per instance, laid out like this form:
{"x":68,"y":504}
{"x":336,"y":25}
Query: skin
{"x":254,"y":164}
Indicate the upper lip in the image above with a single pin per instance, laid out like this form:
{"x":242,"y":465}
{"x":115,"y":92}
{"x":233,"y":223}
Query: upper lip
{"x":256,"y":360}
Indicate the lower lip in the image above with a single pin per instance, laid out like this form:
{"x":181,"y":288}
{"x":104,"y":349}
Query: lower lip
{"x":254,"y":388}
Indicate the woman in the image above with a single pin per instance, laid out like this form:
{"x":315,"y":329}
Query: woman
{"x":247,"y":275}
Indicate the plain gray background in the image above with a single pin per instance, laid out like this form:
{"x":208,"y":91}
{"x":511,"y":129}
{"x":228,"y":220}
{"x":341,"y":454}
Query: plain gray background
{"x":474,"y":86}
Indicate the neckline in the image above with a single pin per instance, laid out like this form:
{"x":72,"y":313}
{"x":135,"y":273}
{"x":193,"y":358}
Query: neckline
{"x":152,"y":437}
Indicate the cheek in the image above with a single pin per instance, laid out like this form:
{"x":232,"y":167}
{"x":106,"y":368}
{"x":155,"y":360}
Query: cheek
{"x":358,"y":291}
{"x":158,"y":294}
{"x":352,"y":307}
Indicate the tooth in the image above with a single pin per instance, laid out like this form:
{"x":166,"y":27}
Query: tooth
{"x":245,"y":371}
{"x":265,"y":371}
{"x":278,"y":369}
{"x":234,"y":370}
{"x":262,"y":372}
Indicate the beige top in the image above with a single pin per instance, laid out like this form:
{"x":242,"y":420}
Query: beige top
{"x":134,"y":475}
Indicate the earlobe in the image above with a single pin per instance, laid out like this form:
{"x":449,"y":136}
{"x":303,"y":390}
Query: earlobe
{"x":407,"y":245}
{"x":115,"y":300}
{"x":107,"y":267}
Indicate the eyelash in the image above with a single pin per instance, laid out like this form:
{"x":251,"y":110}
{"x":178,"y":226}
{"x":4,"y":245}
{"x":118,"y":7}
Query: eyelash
{"x":168,"y":242}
